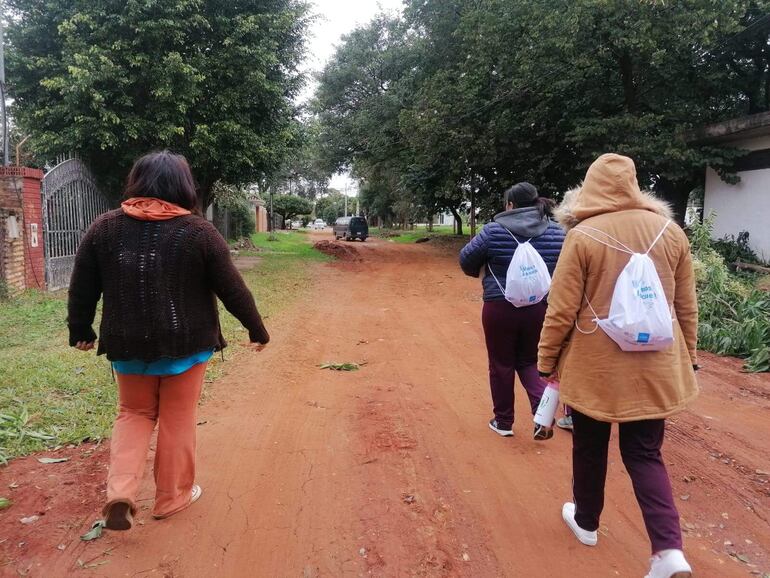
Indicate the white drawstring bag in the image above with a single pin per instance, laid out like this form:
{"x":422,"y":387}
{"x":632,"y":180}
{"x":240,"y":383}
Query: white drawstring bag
{"x":640,"y":317}
{"x":527,"y":281}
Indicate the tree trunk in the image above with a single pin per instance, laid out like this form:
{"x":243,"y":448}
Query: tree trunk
{"x":458,"y":221}
{"x":473,"y":213}
{"x":676,"y":194}
{"x":629,"y":83}
{"x":206,"y":195}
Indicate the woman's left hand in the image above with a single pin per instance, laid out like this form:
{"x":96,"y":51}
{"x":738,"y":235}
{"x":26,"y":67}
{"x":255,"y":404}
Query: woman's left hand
{"x":84,"y":345}
{"x":552,"y":378}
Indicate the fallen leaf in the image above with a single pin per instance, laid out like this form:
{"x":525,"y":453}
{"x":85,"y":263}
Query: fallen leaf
{"x":466,"y":558}
{"x":685,"y":497}
{"x":348,"y":366}
{"x":94,"y":533}
{"x":5,"y":503}
{"x":29,"y":520}
{"x":52,"y":460}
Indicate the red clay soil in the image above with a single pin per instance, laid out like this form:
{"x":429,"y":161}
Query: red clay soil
{"x":342,"y":251}
{"x":391,"y":470}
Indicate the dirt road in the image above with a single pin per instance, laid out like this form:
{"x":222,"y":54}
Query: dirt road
{"x":391,"y":470}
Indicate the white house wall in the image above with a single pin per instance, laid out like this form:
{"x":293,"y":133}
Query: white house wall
{"x":741,"y":207}
{"x":754,"y":143}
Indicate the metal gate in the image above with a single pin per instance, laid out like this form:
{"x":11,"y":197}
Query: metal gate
{"x":71,"y":202}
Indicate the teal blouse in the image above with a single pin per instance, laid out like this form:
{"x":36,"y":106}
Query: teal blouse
{"x":162,"y":366}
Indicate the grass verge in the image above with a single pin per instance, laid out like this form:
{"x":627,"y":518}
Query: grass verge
{"x":52,"y":395}
{"x":420,"y":232}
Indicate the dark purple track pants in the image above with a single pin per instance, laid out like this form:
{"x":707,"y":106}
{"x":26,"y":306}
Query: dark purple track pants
{"x":512,"y":335}
{"x":640,"y":443}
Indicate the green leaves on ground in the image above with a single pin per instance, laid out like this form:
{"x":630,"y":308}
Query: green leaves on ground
{"x":95,"y":532}
{"x":18,"y":429}
{"x":348,"y":366}
{"x":5,"y":503}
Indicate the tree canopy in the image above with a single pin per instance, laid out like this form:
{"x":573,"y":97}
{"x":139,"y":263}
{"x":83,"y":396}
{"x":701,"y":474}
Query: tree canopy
{"x":331,"y":206}
{"x":290,"y":206}
{"x":113,"y":79}
{"x":452,"y":99}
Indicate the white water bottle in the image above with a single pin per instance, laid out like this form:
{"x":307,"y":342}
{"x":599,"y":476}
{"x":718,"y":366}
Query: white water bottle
{"x":549,"y":403}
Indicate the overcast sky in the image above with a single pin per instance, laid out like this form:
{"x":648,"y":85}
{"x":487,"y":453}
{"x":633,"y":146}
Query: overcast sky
{"x":335,"y":19}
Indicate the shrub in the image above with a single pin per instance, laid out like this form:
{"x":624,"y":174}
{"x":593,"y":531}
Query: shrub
{"x":734,"y":316}
{"x":735,"y":249}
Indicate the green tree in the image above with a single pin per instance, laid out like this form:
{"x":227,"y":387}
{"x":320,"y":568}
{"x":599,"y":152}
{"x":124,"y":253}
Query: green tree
{"x":302,"y":171}
{"x":539,"y":89}
{"x":330,"y":206}
{"x":290,"y":206}
{"x":455,"y":100}
{"x":113,"y":79}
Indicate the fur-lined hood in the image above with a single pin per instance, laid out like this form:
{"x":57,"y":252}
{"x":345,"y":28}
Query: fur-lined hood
{"x":610,"y":186}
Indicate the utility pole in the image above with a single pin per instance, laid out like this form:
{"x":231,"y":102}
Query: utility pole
{"x":347,"y":187}
{"x":3,"y":111}
{"x":271,"y":224}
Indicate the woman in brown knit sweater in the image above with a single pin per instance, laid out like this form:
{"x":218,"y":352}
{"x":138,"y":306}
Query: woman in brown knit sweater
{"x":159,"y":268}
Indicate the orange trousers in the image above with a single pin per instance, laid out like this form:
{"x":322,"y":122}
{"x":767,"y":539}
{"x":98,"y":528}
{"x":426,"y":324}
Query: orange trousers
{"x":172,"y":403}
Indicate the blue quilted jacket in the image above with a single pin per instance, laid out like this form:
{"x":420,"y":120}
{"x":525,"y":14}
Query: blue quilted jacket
{"x":495,"y":246}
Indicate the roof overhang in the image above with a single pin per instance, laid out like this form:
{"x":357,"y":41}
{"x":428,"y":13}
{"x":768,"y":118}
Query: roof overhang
{"x":729,"y":131}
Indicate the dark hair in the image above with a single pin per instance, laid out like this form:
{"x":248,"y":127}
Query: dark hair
{"x":525,"y":194}
{"x":166,"y":176}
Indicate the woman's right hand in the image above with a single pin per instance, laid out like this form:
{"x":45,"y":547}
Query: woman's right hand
{"x":84,"y":345}
{"x":256,"y":347}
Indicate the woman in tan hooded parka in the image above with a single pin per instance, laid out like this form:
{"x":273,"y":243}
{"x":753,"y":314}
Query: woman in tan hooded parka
{"x":604,"y":384}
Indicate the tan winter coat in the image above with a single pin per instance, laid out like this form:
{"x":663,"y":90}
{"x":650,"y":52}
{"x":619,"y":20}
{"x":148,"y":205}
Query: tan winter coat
{"x":597,"y":378}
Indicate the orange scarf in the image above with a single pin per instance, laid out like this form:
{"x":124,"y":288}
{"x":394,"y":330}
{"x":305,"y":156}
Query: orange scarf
{"x":151,"y":209}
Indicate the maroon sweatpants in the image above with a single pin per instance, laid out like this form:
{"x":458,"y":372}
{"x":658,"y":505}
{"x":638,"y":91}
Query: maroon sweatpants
{"x":512,"y":334}
{"x":640,"y":443}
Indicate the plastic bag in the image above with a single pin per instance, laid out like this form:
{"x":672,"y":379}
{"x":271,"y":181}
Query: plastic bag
{"x":527,"y":281}
{"x":639,"y":317}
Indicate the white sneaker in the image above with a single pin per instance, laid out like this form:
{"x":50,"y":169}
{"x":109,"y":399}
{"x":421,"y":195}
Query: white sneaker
{"x":585,"y":537}
{"x":669,"y":564}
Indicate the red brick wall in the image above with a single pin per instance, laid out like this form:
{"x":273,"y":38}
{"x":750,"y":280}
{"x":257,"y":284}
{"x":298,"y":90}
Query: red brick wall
{"x":24,"y":265}
{"x":34,"y":259}
{"x":12,"y":251}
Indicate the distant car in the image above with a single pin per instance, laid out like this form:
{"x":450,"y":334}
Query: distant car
{"x":351,"y":228}
{"x":318,"y":224}
{"x":295,"y":224}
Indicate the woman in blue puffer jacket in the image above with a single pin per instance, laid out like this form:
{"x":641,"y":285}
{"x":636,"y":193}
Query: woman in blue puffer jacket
{"x":512,"y":333}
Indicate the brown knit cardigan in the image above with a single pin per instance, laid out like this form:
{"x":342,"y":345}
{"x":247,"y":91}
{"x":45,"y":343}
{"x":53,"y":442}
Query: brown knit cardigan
{"x":159,"y":281}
